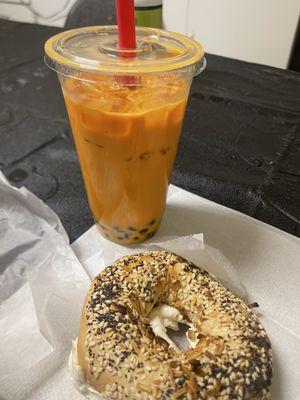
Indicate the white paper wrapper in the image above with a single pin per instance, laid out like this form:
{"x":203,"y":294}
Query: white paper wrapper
{"x":266,"y":260}
{"x":192,"y":248}
{"x":42,"y":286}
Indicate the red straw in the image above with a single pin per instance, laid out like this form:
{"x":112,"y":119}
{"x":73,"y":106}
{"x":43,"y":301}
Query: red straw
{"x":126,"y":26}
{"x":126,"y":33}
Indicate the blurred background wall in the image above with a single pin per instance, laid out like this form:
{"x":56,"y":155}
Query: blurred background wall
{"x":261,"y":31}
{"x":46,"y":12}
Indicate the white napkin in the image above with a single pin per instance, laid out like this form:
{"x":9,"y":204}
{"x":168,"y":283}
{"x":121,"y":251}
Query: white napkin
{"x":42,"y":286}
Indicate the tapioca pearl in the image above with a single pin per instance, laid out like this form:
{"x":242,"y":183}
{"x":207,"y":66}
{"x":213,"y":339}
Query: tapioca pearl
{"x":117,"y":229}
{"x":136,"y":238}
{"x":143,"y":231}
{"x":150,"y":234}
{"x":152,"y":222}
{"x":132,"y":228}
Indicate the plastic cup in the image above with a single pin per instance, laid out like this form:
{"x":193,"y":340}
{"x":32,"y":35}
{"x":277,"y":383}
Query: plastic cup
{"x":126,"y":110}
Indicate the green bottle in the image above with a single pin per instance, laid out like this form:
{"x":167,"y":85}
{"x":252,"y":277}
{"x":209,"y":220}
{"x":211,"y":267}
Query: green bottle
{"x":148,"y":13}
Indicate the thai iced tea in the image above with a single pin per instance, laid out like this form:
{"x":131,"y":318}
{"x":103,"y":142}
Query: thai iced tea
{"x":126,"y":109}
{"x":126,"y":138}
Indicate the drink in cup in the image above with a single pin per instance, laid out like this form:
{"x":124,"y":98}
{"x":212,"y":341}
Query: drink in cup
{"x":126,"y":110}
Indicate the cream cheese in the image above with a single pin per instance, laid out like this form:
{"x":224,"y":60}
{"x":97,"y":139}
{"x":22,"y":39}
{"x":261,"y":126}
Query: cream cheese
{"x":78,"y":376}
{"x":163,"y":317}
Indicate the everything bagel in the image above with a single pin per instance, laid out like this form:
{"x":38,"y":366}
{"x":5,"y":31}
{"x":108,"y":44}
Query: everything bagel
{"x":123,"y":350}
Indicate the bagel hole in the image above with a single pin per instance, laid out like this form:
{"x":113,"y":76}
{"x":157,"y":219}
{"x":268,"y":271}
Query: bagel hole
{"x":179,"y":337}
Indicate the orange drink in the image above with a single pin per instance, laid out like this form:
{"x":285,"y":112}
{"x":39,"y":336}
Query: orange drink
{"x":126,"y":131}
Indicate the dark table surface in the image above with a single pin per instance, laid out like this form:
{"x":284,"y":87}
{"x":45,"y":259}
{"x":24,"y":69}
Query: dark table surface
{"x":240,"y":144}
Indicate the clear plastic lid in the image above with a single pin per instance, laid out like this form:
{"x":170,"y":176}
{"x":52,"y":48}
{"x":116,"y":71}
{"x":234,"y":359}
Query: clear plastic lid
{"x":95,"y":49}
